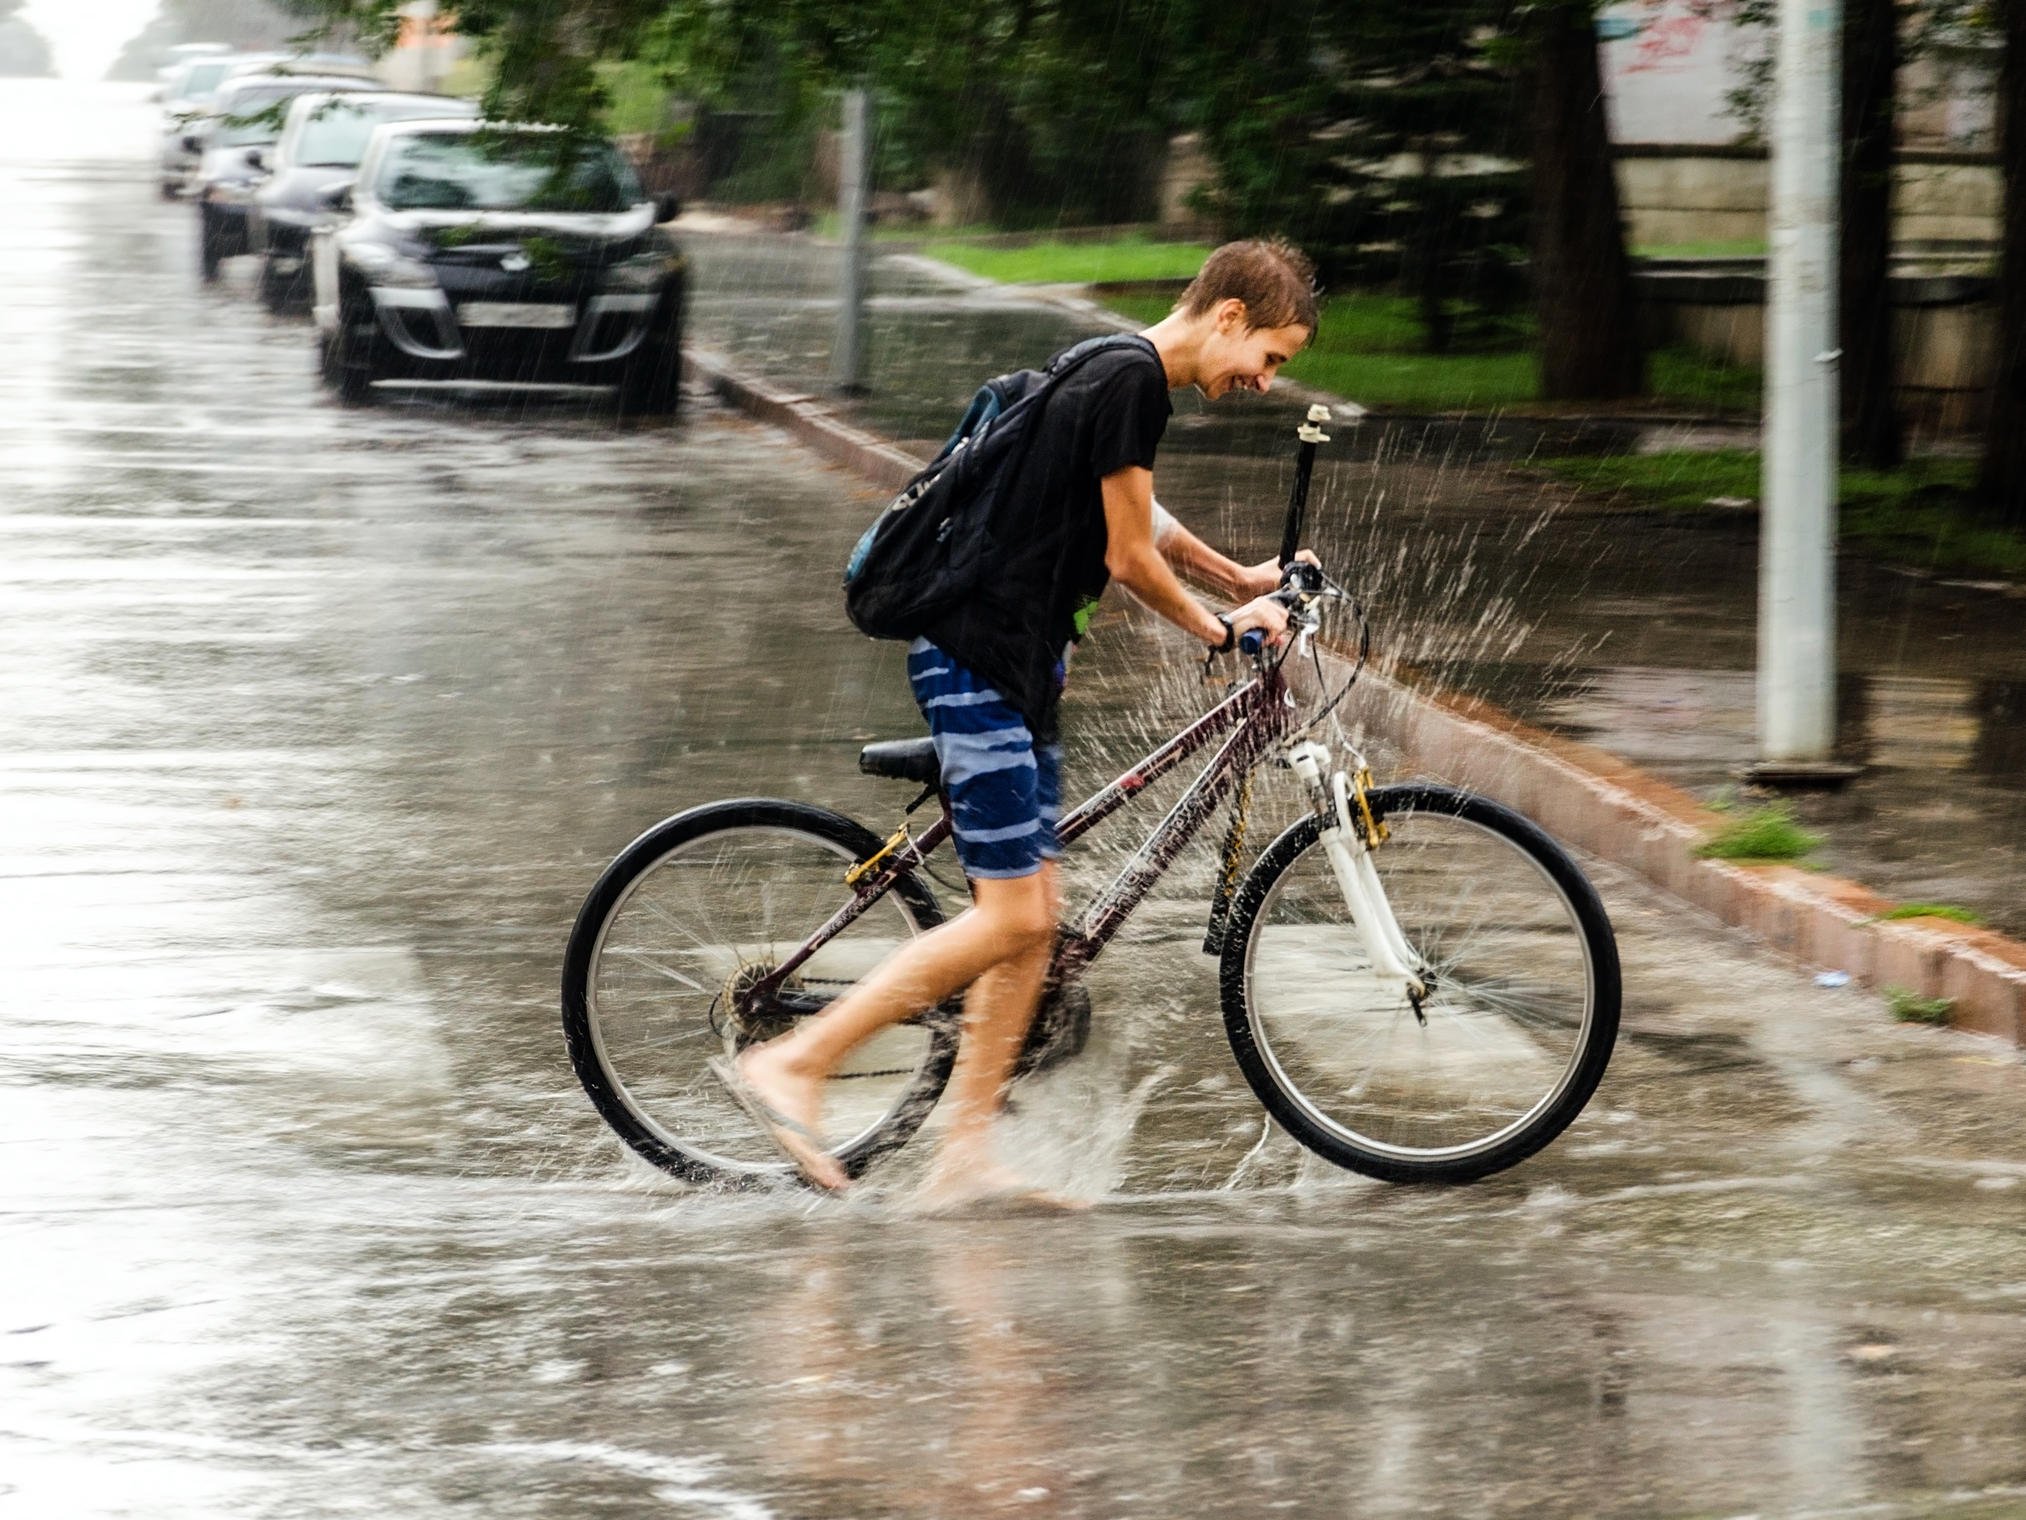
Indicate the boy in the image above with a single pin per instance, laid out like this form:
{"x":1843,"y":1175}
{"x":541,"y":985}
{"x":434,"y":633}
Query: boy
{"x":988,"y":677}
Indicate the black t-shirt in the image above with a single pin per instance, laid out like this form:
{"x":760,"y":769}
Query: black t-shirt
{"x":1050,"y":533}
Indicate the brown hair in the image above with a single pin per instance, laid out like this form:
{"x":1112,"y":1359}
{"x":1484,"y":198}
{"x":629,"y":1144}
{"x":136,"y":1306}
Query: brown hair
{"x":1275,"y":280}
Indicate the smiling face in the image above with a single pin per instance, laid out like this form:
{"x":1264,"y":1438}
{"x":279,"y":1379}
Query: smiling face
{"x":1237,"y":357}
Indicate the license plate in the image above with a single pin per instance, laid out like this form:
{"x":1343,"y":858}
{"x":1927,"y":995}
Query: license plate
{"x":512,"y":314}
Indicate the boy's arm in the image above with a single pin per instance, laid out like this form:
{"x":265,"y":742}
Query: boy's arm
{"x":1133,"y":561}
{"x":1190,"y":557}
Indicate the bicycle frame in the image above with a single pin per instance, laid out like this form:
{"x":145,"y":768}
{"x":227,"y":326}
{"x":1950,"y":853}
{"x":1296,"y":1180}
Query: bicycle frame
{"x":1249,"y":721}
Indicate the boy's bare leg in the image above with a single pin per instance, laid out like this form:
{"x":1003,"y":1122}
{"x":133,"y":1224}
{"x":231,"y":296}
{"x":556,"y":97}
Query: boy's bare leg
{"x":997,"y":1013}
{"x":1009,"y":919}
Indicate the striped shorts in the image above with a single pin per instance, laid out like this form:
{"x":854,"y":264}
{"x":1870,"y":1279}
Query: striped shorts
{"x":1005,"y":790}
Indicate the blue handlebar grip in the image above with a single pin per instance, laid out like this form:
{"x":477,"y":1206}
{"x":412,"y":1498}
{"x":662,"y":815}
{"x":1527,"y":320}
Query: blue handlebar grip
{"x":1251,"y":641}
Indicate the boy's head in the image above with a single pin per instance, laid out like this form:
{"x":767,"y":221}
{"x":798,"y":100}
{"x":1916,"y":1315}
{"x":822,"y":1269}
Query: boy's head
{"x":1256,"y":300}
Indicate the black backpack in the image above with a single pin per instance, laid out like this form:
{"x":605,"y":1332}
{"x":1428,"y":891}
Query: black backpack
{"x":930,"y":547}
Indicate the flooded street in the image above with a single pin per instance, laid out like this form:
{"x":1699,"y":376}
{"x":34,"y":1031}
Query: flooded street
{"x":315,"y":727}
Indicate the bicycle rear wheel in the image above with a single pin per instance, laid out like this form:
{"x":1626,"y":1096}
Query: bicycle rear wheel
{"x":660,"y":976}
{"x":1519,"y":1018}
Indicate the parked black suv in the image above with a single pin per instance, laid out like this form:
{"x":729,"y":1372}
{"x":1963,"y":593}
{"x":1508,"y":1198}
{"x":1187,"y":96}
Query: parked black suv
{"x":322,"y":140}
{"x":499,"y":253}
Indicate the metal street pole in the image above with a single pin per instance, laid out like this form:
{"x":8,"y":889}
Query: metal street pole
{"x":1797,"y":552}
{"x":847,"y":354}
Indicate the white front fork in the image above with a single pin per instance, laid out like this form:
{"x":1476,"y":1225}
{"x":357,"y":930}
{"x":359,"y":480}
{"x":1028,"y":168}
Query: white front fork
{"x":1350,"y":858}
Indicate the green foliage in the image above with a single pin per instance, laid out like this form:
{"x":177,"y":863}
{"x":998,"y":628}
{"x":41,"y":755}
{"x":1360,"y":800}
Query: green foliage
{"x":1947,"y":911}
{"x":1767,"y":833}
{"x":1912,"y":1008}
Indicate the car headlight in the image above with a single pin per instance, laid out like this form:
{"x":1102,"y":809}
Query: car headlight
{"x":644,"y":271}
{"x":381,"y":265}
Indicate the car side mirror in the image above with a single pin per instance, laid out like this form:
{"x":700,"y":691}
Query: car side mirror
{"x":338,"y":197}
{"x":256,"y":158}
{"x":192,"y":143}
{"x":667,"y":207}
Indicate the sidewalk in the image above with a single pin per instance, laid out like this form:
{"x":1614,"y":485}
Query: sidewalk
{"x":1622,"y":629}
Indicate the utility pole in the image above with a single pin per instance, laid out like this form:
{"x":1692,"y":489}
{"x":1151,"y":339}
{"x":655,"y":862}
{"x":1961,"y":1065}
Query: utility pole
{"x":1797,"y":548}
{"x":847,"y":354}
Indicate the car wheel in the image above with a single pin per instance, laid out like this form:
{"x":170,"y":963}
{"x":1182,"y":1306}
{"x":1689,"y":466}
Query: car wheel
{"x":345,"y":363}
{"x":652,"y":383}
{"x":278,"y":292}
{"x":210,"y":246}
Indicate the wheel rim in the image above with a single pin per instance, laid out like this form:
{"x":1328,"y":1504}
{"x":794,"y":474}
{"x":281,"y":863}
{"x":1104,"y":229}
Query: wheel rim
{"x":699,"y":919}
{"x":1509,"y":1011}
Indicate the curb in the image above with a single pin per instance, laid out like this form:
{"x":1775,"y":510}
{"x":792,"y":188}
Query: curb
{"x":1583,"y":796}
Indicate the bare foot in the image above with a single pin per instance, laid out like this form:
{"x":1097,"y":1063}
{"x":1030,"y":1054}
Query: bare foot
{"x":788,"y":1104}
{"x":954,"y":1187}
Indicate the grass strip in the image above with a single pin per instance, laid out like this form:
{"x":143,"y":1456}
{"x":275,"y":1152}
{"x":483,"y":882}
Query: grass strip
{"x":1948,"y":911}
{"x":1912,"y":1008}
{"x":1916,"y":515}
{"x":1368,"y":348}
{"x":1768,"y":833}
{"x":1131,"y":257}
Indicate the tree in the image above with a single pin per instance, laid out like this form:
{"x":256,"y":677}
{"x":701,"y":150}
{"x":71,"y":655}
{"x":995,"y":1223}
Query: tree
{"x":242,"y":23}
{"x":1057,"y":108}
{"x":1590,"y":343}
{"x":2001,"y":475}
{"x":1378,"y":136}
{"x":1873,"y":434}
{"x":24,"y":53}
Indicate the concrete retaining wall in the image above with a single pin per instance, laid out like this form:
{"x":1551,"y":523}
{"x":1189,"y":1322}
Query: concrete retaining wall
{"x":1585,"y":797}
{"x":1699,"y":195}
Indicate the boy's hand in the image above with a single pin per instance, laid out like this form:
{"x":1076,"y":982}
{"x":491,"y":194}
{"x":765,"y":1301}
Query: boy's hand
{"x":1260,"y":579}
{"x":1263,"y":613}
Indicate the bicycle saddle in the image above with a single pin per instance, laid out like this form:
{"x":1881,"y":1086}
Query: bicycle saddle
{"x":902,"y":759}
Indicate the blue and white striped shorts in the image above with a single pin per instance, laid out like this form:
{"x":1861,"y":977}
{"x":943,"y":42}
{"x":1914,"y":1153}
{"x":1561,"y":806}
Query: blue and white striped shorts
{"x":1005,"y":790}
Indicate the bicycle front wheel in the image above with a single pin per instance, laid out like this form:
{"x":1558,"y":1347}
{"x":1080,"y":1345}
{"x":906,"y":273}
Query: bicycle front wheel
{"x":667,"y":967}
{"x":1518,"y":1017}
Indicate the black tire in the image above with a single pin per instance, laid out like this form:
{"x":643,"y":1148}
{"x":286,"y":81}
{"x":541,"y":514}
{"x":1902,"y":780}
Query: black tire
{"x":344,"y":362}
{"x":278,"y":292}
{"x":1523,"y":993}
{"x":210,"y":246}
{"x":652,"y":383}
{"x":640,"y":1020}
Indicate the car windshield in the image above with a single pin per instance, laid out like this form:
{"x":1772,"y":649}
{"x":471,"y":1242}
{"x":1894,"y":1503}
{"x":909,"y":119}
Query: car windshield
{"x":236,"y":130}
{"x":200,"y":80}
{"x":336,"y":134}
{"x":496,"y":171}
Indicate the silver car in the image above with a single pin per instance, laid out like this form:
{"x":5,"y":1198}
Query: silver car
{"x":186,"y":95}
{"x":322,"y":140}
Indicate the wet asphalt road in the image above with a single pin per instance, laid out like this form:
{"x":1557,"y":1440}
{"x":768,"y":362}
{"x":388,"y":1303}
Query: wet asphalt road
{"x":314,"y":727}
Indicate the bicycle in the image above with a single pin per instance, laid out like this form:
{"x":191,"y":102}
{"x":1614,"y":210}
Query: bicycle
{"x":1417,"y":983}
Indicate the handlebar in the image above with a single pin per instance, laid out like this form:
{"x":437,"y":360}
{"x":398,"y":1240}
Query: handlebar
{"x":1298,"y":582}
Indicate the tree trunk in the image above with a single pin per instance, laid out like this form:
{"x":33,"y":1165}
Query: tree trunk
{"x":1872,"y":431}
{"x":1590,"y":348}
{"x":2001,"y":481}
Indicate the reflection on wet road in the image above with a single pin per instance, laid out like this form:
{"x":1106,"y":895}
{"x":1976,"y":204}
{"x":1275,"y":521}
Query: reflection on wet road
{"x":314,"y":728}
